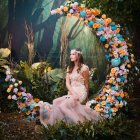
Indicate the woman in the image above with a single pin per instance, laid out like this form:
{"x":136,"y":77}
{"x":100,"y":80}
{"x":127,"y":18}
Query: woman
{"x":70,"y":108}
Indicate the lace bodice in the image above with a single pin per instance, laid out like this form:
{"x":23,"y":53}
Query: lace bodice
{"x":77,"y":78}
{"x":78,"y":82}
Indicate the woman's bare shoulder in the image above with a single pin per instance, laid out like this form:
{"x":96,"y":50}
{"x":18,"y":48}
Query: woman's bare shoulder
{"x":85,"y":67}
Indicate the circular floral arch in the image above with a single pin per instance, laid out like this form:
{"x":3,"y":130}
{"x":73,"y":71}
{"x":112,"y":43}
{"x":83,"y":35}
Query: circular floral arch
{"x":112,"y":96}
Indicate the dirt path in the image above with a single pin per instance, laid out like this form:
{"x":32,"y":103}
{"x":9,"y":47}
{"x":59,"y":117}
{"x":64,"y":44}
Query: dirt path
{"x":14,"y":127}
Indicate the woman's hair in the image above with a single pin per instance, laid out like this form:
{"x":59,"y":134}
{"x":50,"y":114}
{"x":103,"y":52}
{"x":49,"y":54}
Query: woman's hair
{"x":81,"y":61}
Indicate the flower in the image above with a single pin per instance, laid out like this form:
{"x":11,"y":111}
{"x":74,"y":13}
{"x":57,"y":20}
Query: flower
{"x":14,"y":97}
{"x":65,"y":9}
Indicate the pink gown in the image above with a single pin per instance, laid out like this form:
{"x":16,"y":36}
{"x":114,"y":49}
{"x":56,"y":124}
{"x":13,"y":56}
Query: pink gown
{"x":69,"y":108}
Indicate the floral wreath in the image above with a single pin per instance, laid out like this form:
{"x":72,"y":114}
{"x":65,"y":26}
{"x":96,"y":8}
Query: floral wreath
{"x":112,"y":96}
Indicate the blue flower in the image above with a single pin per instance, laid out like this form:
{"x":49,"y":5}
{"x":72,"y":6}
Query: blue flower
{"x":107,"y":56}
{"x":119,"y":98}
{"x":109,"y":112}
{"x":120,"y":37}
{"x":115,"y":62}
{"x":113,"y":27}
{"x":82,"y":14}
{"x":91,"y":23}
{"x":100,"y":28}
{"x":108,"y":105}
{"x":113,"y":87}
{"x":122,"y":78}
{"x":102,"y":38}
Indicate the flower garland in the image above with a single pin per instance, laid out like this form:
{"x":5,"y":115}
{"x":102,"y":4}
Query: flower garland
{"x":112,"y":97}
{"x":24,"y":100}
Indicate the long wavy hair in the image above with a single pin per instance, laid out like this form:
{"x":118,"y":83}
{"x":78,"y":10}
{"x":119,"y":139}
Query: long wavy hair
{"x":80,"y":62}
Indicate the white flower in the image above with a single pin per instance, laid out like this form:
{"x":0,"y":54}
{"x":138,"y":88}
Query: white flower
{"x":16,"y":84}
{"x":9,"y":97}
{"x":53,"y":12}
{"x":13,"y":80}
{"x":14,"y":97}
{"x":15,"y":90}
{"x":24,"y":94}
{"x":61,"y":7}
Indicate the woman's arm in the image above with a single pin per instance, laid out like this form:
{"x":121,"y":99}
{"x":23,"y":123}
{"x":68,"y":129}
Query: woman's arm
{"x":68,"y":83}
{"x":85,"y":74}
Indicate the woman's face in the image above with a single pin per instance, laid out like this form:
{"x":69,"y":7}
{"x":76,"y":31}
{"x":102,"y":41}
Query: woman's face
{"x":73,"y":56}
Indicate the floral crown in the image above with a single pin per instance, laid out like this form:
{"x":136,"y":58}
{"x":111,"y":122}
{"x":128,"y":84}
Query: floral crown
{"x":75,"y":51}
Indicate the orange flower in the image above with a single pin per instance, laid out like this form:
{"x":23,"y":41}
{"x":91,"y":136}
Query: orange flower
{"x":81,"y":19}
{"x":88,"y":11}
{"x":103,"y":97}
{"x":103,"y":102}
{"x":95,"y":12}
{"x":116,"y":55}
{"x":58,"y":10}
{"x":36,"y":100}
{"x":117,"y":94}
{"x":90,"y":19}
{"x":126,"y":95}
{"x":114,"y":109}
{"x":11,"y":86}
{"x":122,"y":43}
{"x":65,"y":9}
{"x":118,"y":30}
{"x":109,"y":20}
{"x":108,"y":97}
{"x":110,"y":81}
{"x":120,"y":105}
{"x":97,"y":98}
{"x":19,"y":94}
{"x":113,"y":70}
{"x":103,"y":16}
{"x":28,"y":112}
{"x":122,"y":95}
{"x":97,"y":108}
{"x":80,"y":8}
{"x":77,"y":14}
{"x":96,"y":25}
{"x":69,"y":14}
{"x":104,"y":89}
{"x":122,"y":52}
{"x":129,"y":66}
{"x":106,"y":46}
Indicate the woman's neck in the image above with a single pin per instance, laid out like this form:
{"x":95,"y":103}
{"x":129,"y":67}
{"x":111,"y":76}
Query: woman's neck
{"x":76,"y":64}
